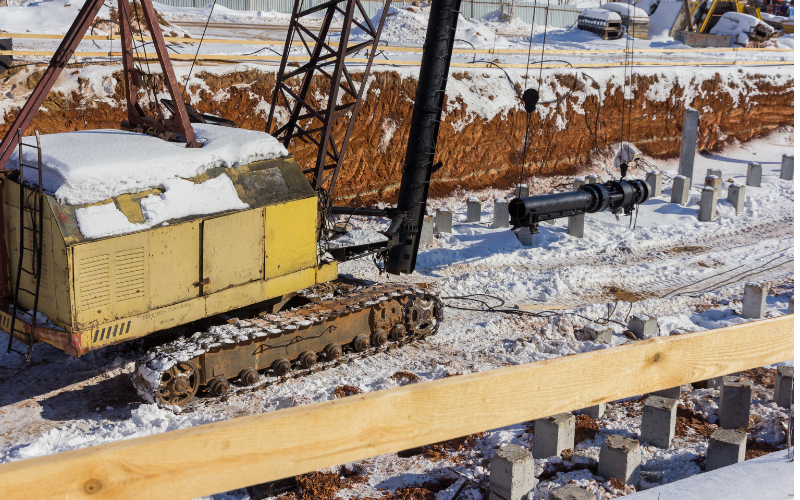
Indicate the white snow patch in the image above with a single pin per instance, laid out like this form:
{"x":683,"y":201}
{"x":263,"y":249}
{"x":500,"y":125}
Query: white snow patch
{"x":181,"y":198}
{"x":94,"y":165}
{"x":738,"y":26}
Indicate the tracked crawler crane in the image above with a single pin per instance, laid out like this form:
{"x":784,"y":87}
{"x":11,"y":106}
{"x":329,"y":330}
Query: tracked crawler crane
{"x":260,"y":260}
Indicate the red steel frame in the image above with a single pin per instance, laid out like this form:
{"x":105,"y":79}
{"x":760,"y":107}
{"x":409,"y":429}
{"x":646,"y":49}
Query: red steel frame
{"x":133,"y":80}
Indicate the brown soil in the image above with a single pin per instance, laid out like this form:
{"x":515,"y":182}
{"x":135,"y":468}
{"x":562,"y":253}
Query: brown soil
{"x":762,"y":376}
{"x":616,"y":484}
{"x":483,"y":153}
{"x":624,"y":295}
{"x":585,"y":428}
{"x":632,"y":407}
{"x":405,"y":378}
{"x":445,"y":449}
{"x":684,"y":249}
{"x":757,"y":448}
{"x":345,"y":390}
{"x":425,"y":491}
{"x":323,"y":485}
{"x":689,"y":419}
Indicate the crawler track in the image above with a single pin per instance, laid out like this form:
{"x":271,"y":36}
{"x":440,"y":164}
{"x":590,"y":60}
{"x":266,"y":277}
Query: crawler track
{"x":343,"y":323}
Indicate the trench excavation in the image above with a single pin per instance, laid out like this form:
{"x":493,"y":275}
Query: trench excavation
{"x":481,"y":136}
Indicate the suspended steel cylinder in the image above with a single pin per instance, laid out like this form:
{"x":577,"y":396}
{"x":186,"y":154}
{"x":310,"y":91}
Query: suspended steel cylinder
{"x":617,"y":196}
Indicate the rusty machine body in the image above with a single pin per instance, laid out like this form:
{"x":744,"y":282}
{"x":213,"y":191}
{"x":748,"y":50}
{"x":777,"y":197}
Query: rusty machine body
{"x":286,"y":308}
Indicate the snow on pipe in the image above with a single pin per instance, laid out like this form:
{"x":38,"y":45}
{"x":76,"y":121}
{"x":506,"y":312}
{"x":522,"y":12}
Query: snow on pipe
{"x":617,"y":196}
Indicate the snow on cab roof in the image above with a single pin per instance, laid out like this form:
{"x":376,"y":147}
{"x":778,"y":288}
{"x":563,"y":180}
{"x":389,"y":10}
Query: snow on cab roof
{"x":95,"y":165}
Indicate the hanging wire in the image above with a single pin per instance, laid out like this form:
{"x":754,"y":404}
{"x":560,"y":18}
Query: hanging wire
{"x":186,"y":83}
{"x":544,"y":39}
{"x":144,"y":56}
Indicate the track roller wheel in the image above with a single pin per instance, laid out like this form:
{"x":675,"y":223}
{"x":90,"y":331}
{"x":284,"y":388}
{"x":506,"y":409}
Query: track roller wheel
{"x":178,"y":385}
{"x":361,"y":343}
{"x":332,"y":351}
{"x":281,"y":366}
{"x":398,"y":333}
{"x":249,"y":376}
{"x":379,"y":337}
{"x":307,"y":359}
{"x":219,"y":386}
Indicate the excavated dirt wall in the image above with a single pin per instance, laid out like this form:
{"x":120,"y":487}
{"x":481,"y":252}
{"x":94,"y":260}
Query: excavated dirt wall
{"x":478,"y":149}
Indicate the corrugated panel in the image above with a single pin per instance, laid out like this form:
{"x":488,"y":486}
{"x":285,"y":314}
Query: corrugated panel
{"x":559,"y":16}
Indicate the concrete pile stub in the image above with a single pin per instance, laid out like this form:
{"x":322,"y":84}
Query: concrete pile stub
{"x":725,"y":447}
{"x":713,"y":382}
{"x":502,"y":219}
{"x":592,"y":179}
{"x":578,"y":182}
{"x":784,"y":383}
{"x":473,"y":209}
{"x":511,"y":474}
{"x":787,"y":167}
{"x":571,"y":492}
{"x":754,"y":301}
{"x":643,"y":326}
{"x":691,"y":120}
{"x":735,"y":396}
{"x":522,"y":191}
{"x":595,"y":412}
{"x":672,"y":393}
{"x":753,"y":174}
{"x":736,"y":195}
{"x":715,"y":181}
{"x":680,"y":189}
{"x":714,"y":171}
{"x":426,"y":235}
{"x":708,"y":205}
{"x":600,"y":333}
{"x":525,"y":236}
{"x":444,"y":220}
{"x":655,"y":182}
{"x":575,"y":225}
{"x":552,"y":435}
{"x":620,"y":457}
{"x":658,"y":421}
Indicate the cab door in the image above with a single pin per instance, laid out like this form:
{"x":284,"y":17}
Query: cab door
{"x":233,"y":250}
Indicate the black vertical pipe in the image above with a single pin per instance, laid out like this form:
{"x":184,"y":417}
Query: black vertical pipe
{"x":433,"y":73}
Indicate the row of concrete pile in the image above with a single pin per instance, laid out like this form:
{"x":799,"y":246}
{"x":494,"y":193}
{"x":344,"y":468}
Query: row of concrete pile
{"x":512,"y":470}
{"x":681,"y":186}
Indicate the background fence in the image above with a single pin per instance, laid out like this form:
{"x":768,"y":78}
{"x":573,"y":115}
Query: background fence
{"x":558,"y":16}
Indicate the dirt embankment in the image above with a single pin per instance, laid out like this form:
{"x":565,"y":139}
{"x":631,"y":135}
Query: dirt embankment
{"x":478,"y":149}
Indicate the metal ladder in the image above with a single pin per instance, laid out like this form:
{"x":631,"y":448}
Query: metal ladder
{"x":35,"y":214}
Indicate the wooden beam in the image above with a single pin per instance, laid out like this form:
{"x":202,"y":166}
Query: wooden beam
{"x":409,"y":49}
{"x":227,"y":455}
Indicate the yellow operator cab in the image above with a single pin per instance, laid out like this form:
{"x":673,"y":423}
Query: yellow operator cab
{"x":140,"y":261}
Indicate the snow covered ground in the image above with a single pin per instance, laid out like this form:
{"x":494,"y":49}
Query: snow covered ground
{"x":689,"y":274}
{"x":665,"y":263}
{"x":404,"y":27}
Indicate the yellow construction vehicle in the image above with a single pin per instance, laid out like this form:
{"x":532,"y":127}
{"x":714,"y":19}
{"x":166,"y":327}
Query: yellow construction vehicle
{"x":705,"y":15}
{"x":264,"y":260}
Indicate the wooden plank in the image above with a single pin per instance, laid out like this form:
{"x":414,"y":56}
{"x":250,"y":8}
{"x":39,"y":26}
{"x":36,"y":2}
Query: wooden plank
{"x":407,"y":49}
{"x":234,"y":57}
{"x":227,"y":455}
